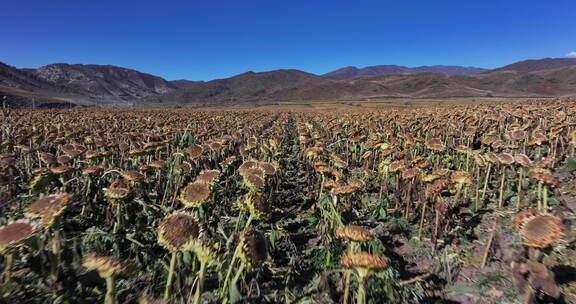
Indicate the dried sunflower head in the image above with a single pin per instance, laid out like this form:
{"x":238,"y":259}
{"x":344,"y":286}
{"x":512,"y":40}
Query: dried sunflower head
{"x":410,"y":173}
{"x":268,"y":168}
{"x":133,"y":176}
{"x":157,"y":164}
{"x":195,"y":151}
{"x":195,"y":194}
{"x":107,"y":266}
{"x":253,"y":248}
{"x":178,"y":231}
{"x":354,"y":233}
{"x":13,"y":234}
{"x":397,"y":166}
{"x":208,"y":176}
{"x":118,"y":190}
{"x":518,"y":135}
{"x":542,"y":231}
{"x":545,"y":176}
{"x":246,"y":166}
{"x":505,"y":158}
{"x":49,"y":208}
{"x":523,"y":217}
{"x":257,"y":205}
{"x":344,"y":189}
{"x":92,"y":170}
{"x":48,"y":158}
{"x":363,"y":263}
{"x":61,"y":170}
{"x":254,"y":182}
{"x":523,"y":160}
{"x":462,"y":178}
{"x":64,"y":159}
{"x":428,"y":178}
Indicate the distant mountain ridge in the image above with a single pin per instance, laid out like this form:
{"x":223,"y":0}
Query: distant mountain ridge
{"x":352,"y":72}
{"x":528,"y":66}
{"x":102,"y":81}
{"x":110,"y":85}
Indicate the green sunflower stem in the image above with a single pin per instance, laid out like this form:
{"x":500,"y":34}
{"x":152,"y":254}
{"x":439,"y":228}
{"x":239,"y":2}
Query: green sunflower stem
{"x":501,"y":194}
{"x":539,"y":196}
{"x":200,"y":285}
{"x":110,"y":291}
{"x":520,"y":178}
{"x":238,"y":275}
{"x":545,"y":197}
{"x":361,"y":294}
{"x":422,"y":217}
{"x":229,"y":272}
{"x":56,"y":247}
{"x":118,"y":218}
{"x":346,"y":287}
{"x":8,"y":262}
{"x":170,"y":279}
{"x":477,"y":197}
{"x":486,"y":182}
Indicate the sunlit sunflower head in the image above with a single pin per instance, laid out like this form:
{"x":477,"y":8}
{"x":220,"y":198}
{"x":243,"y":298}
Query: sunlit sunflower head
{"x":107,"y":266}
{"x":195,"y":194}
{"x":354,"y":233}
{"x":118,"y":190}
{"x":542,"y":231}
{"x":14,"y":234}
{"x":208,"y":176}
{"x":364,"y":263}
{"x":49,"y":207}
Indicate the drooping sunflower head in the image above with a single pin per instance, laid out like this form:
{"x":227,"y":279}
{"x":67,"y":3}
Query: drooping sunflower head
{"x":157,"y":164}
{"x":505,"y":158}
{"x":253,"y":248}
{"x":354,"y":233}
{"x":49,"y":208}
{"x":268,"y":168}
{"x":523,"y":160}
{"x":133,"y":176}
{"x":208,"y":176}
{"x":107,"y":266}
{"x":92,"y":170}
{"x":178,"y":231}
{"x":462,"y":178}
{"x":257,"y":205}
{"x":542,"y":231}
{"x":61,"y":170}
{"x":118,"y":190}
{"x":254,"y":182}
{"x":545,"y":177}
{"x":14,"y":234}
{"x":410,"y":173}
{"x":364,"y":263}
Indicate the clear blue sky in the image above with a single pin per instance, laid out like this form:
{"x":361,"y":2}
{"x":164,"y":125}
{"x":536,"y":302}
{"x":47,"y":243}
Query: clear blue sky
{"x":215,"y":39}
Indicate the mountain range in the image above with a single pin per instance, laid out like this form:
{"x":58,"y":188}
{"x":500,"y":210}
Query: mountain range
{"x":88,"y":84}
{"x":352,"y":72}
